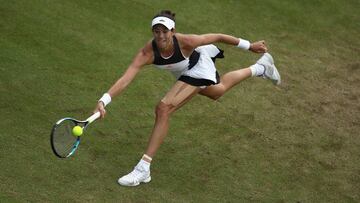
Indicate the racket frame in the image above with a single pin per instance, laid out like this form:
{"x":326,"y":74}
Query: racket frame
{"x":76,"y":144}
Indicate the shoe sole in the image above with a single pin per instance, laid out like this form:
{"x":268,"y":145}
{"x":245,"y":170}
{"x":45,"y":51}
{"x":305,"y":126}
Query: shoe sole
{"x":277,"y":74}
{"x":145,"y":181}
{"x":271,"y":59}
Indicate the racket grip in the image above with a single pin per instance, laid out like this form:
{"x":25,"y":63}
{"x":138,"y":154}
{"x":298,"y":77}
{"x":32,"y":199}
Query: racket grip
{"x":93,"y":117}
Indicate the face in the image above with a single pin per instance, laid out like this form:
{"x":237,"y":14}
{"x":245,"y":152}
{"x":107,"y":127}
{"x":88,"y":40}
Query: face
{"x":162,"y":36}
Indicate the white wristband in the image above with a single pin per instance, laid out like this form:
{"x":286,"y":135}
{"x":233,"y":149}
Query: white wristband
{"x":244,"y":44}
{"x":105,"y":99}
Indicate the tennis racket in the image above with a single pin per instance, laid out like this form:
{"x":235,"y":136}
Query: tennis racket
{"x":63,"y":142}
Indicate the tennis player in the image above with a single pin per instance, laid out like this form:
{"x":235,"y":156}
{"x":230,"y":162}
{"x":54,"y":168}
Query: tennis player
{"x":191,"y":59}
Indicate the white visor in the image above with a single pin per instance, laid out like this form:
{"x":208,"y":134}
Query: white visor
{"x":167,"y":22}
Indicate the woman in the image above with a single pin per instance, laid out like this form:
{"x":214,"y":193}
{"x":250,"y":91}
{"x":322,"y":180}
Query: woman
{"x":191,"y":60}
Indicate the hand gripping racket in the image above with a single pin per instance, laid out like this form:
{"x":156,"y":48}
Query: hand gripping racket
{"x":63,"y":142}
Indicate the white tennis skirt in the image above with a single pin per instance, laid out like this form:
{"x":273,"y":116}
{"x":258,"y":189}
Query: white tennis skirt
{"x":204,"y":72}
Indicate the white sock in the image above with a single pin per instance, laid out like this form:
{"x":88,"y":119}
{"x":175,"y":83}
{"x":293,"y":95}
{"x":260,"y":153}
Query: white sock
{"x":257,"y":70}
{"x":143,"y":165}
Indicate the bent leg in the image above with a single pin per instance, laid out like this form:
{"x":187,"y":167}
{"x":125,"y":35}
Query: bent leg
{"x":227,"y":81}
{"x":174,"y":99}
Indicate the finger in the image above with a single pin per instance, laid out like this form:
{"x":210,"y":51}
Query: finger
{"x":102,"y":112}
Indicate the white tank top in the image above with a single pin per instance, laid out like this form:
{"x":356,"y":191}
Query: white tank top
{"x":176,"y":63}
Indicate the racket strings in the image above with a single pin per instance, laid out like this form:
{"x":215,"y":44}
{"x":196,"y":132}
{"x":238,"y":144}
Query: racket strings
{"x":63,"y":140}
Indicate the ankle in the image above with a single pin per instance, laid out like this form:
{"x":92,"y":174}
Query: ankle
{"x":257,"y":70}
{"x":143,"y":165}
{"x":146,"y":158}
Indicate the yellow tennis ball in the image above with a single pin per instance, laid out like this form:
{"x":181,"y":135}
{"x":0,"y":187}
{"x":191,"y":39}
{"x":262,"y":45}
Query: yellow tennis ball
{"x":77,"y":131}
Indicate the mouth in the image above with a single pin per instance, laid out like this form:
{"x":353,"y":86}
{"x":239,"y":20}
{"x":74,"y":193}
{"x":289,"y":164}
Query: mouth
{"x":162,"y":42}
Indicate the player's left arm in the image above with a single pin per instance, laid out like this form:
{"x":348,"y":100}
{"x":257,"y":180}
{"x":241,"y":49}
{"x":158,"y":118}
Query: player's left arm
{"x":199,"y":40}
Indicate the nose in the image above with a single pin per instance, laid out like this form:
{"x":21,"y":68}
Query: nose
{"x":161,"y":35}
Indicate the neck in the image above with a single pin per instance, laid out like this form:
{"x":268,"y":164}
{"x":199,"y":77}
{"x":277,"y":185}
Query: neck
{"x":168,"y":49}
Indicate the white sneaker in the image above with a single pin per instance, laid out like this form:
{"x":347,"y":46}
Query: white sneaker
{"x":271,"y":71}
{"x":135,"y":177}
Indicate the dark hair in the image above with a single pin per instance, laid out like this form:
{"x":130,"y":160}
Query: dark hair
{"x":166,"y":13}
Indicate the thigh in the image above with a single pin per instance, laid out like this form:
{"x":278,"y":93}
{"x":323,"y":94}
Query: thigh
{"x":179,"y":94}
{"x":213,"y":91}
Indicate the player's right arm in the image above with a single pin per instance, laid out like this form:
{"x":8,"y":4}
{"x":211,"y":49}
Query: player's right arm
{"x":142,"y":58}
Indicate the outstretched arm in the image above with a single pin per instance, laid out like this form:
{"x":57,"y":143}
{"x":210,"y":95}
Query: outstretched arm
{"x":199,"y":40}
{"x":139,"y":61}
{"x":143,"y":57}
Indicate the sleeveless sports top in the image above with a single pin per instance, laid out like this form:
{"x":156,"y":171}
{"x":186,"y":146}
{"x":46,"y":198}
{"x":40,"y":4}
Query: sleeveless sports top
{"x":176,"y":63}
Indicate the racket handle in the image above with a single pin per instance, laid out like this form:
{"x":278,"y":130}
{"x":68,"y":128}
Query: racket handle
{"x":93,"y":117}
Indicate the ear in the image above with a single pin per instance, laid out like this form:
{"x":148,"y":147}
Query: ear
{"x":173,"y":30}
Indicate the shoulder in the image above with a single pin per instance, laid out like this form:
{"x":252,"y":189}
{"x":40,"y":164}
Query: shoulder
{"x":187,"y":40}
{"x":148,"y":48}
{"x":145,"y":54}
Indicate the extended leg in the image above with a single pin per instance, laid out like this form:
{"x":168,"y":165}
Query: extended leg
{"x":174,"y":99}
{"x":227,"y":82}
{"x":264,"y":67}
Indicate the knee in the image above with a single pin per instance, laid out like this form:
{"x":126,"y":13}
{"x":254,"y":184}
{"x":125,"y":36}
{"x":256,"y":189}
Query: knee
{"x":163,"y":110}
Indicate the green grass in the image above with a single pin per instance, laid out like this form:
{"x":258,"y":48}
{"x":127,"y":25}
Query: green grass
{"x":295,"y":143}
